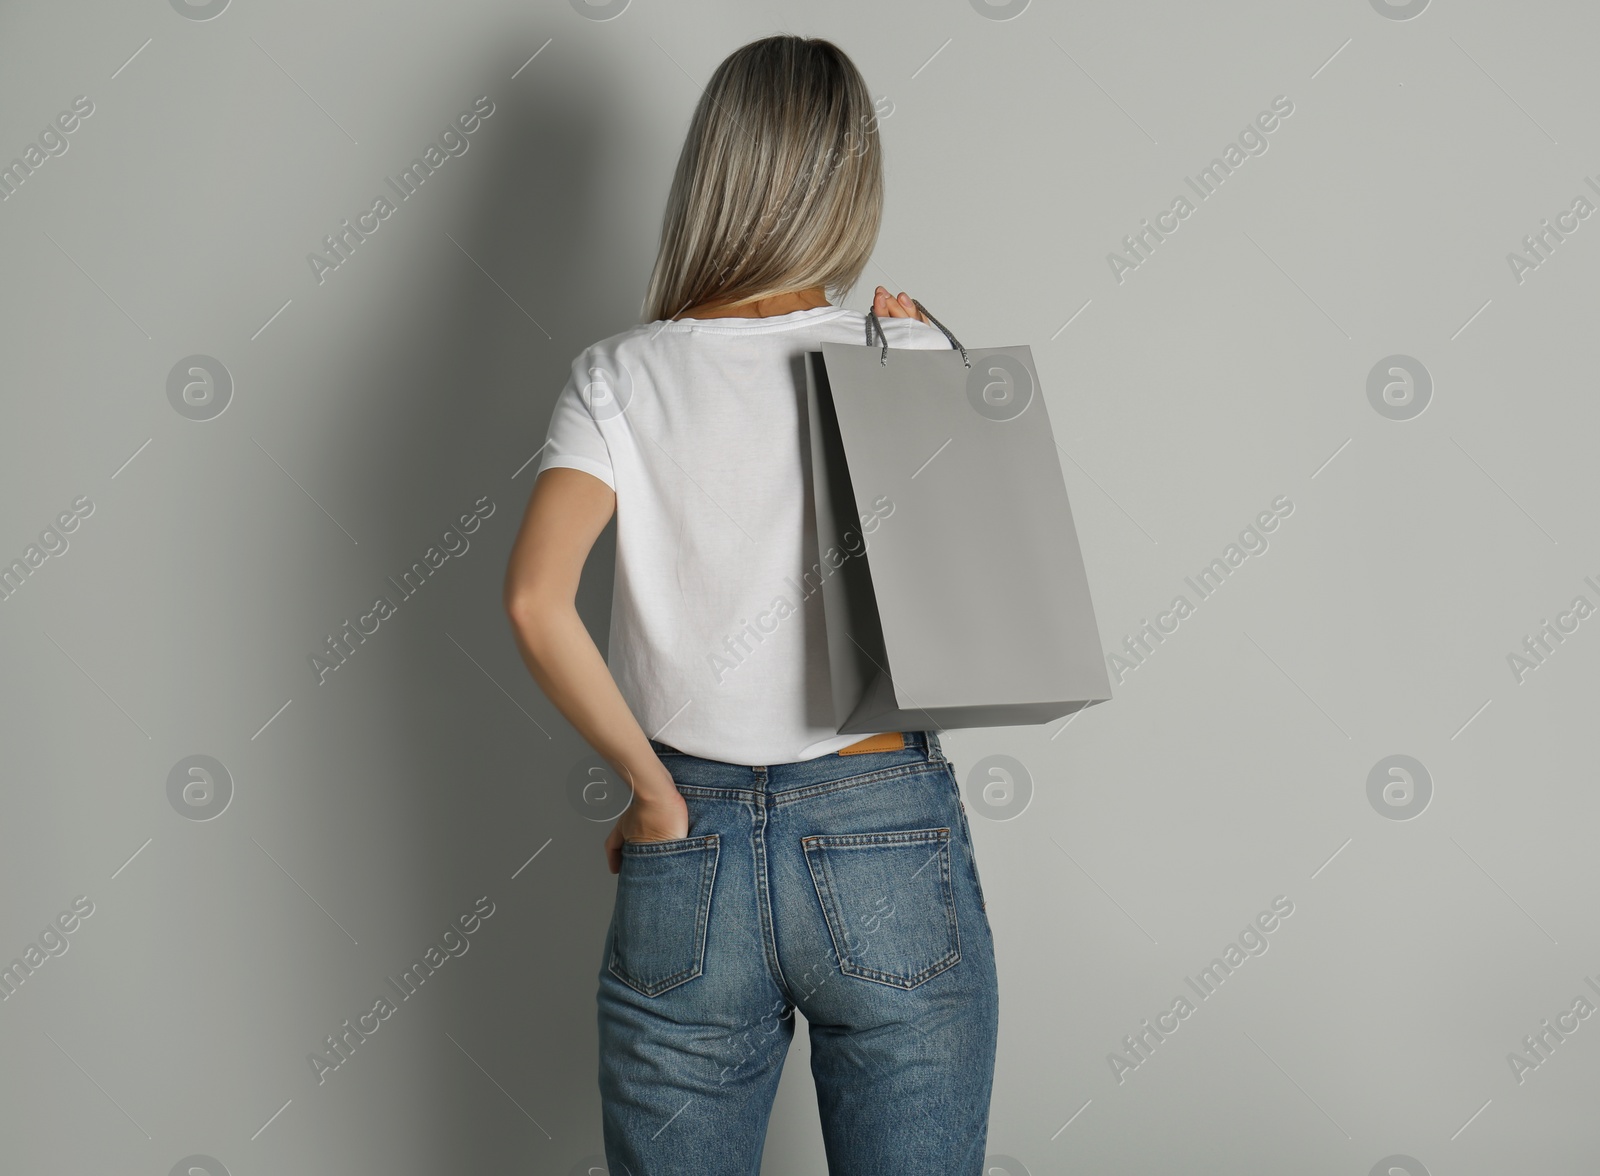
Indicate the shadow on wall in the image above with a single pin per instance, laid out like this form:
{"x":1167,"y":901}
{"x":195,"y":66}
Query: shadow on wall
{"x":462,"y":367}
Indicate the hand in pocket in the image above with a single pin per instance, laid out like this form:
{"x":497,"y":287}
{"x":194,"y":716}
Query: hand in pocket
{"x":656,"y":813}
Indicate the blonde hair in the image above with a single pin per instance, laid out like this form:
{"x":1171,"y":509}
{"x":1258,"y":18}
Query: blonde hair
{"x":779,"y":185}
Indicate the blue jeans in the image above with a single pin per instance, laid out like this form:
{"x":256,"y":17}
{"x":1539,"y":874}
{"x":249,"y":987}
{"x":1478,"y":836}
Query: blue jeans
{"x":844,"y":886}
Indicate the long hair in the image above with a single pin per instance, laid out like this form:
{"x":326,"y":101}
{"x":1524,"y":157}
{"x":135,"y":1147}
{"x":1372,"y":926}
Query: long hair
{"x":779,"y":186}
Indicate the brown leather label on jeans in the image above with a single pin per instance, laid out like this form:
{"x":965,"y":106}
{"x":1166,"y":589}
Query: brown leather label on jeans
{"x":888,"y":741}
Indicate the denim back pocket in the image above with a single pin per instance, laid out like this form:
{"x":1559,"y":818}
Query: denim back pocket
{"x":888,"y":902}
{"x":658,"y":931}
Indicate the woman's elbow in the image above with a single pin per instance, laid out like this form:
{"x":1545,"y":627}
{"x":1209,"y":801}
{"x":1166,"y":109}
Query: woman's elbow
{"x":522,"y":606}
{"x":529,"y":605}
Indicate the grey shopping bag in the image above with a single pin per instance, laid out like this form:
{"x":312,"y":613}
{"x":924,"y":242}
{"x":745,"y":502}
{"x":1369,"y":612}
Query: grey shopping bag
{"x":952,"y":584}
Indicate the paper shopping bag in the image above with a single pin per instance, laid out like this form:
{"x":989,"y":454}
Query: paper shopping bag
{"x":952,"y":584}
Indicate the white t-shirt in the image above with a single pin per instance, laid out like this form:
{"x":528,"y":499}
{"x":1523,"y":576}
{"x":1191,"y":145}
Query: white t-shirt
{"x":718,"y":639}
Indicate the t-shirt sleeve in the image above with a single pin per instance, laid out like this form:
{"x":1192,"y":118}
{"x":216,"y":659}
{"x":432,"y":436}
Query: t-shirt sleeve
{"x":574,"y":439}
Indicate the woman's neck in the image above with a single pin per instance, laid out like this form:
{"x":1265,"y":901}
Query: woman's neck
{"x":785,"y":303}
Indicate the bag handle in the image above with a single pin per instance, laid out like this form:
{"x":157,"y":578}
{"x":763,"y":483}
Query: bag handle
{"x":873,"y":325}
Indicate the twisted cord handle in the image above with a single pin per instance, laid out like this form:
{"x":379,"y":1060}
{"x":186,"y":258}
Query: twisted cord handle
{"x":875,"y":327}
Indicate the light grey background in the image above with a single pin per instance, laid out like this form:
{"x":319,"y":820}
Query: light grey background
{"x":369,"y":411}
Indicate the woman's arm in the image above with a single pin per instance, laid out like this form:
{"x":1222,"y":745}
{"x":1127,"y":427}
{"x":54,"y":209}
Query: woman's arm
{"x":566,"y":513}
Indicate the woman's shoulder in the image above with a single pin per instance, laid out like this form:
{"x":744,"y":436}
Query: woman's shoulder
{"x":834,"y":323}
{"x":619,"y":339}
{"x":615,"y":350}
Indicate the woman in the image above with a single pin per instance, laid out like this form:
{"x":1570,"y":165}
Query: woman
{"x":766,"y":862}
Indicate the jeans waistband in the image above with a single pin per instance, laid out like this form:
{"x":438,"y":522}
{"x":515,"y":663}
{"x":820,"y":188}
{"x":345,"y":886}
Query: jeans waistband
{"x":921,"y":744}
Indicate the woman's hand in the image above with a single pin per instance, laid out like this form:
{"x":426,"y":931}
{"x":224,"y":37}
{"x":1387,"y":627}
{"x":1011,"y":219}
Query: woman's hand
{"x":886,"y":305}
{"x":657,"y":813}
